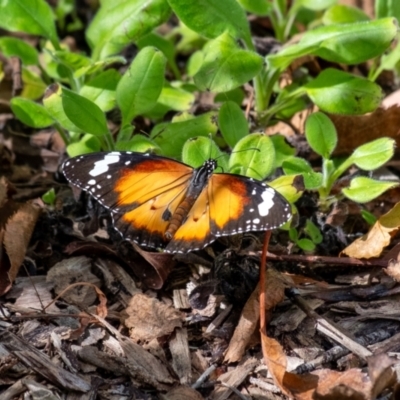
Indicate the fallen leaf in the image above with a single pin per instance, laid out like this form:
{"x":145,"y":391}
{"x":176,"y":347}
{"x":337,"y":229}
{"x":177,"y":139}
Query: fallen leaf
{"x":72,"y":270}
{"x":373,"y":243}
{"x":248,"y":322}
{"x":354,"y":131}
{"x":352,"y":384}
{"x":19,"y":220}
{"x":149,"y":318}
{"x":381,"y":374}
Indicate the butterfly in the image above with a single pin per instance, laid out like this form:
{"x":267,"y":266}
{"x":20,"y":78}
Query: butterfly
{"x":158,"y":202}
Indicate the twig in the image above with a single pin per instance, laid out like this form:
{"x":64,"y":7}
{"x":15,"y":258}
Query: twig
{"x":345,"y":261}
{"x":234,"y":390}
{"x":329,"y":328}
{"x":203,"y":377}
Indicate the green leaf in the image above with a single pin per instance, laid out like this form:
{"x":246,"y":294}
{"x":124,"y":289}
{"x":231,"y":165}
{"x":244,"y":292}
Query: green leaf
{"x":261,"y":8}
{"x":306,"y":244}
{"x":368,"y":217}
{"x":199,"y":149}
{"x":172,"y":136}
{"x":232,"y":123}
{"x":33,"y":16}
{"x":101,"y":89}
{"x":50,"y":197}
{"x":341,"y":43}
{"x":313,"y":232}
{"x":282,"y":150}
{"x":314,"y":5}
{"x":213,"y":18}
{"x":31,"y":113}
{"x":195,"y":62}
{"x":141,"y":85}
{"x":83,"y":113}
{"x":289,"y":186}
{"x":343,"y":14}
{"x":72,"y":61}
{"x":176,"y":99}
{"x":226,"y":66}
{"x":296,"y":165}
{"x":363,"y":189}
{"x":253,"y":156}
{"x":293,"y":235}
{"x":374,"y":154}
{"x":53,"y":104}
{"x":139,"y":143}
{"x":119,"y":23}
{"x":321,"y":134}
{"x":338,"y":92}
{"x":236,"y":95}
{"x":97,"y":66}
{"x":11,"y":46}
{"x":34,"y":86}
{"x":164,"y":45}
{"x":87,"y":144}
{"x":387,"y":8}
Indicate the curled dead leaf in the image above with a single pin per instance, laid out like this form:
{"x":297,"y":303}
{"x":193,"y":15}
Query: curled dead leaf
{"x":18,"y":221}
{"x":373,"y":243}
{"x":275,"y":287}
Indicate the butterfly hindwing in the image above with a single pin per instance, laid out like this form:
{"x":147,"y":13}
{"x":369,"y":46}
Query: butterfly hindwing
{"x":239,"y":204}
{"x":229,"y":205}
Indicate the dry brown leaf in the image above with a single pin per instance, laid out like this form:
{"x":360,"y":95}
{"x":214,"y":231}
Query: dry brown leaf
{"x":354,"y":131}
{"x":299,"y":387}
{"x":373,"y":243}
{"x":275,"y":286}
{"x":381,"y":374}
{"x":72,"y":270}
{"x":149,"y":318}
{"x":352,"y":384}
{"x":15,"y":239}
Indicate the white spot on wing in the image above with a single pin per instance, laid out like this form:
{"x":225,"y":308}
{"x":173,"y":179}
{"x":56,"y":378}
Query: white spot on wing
{"x":267,"y":195}
{"x":102,"y":166}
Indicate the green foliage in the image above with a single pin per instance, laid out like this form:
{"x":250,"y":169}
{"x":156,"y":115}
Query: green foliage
{"x":314,"y":236}
{"x":226,"y":66}
{"x":232,"y":123}
{"x":322,"y":138}
{"x":215,"y":39}
{"x":253,"y":156}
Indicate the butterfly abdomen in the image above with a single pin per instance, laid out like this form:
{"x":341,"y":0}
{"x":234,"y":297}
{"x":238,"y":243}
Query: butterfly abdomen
{"x":179,"y":216}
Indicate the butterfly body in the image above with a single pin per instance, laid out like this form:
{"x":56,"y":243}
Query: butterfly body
{"x":161,"y":203}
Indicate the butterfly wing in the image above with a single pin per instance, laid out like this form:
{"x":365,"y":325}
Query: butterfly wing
{"x":141,"y":190}
{"x":195,"y":232}
{"x":239,"y":204}
{"x":230,"y":204}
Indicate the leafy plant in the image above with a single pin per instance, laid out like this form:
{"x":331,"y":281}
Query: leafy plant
{"x":322,"y":138}
{"x":223,"y":59}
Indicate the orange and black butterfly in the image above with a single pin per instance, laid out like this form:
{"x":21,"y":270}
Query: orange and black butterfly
{"x":161,"y":203}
